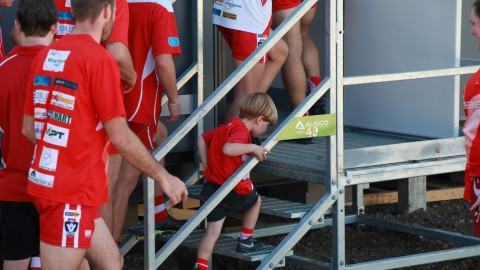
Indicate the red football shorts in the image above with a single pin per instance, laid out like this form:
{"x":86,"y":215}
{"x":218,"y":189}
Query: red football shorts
{"x":279,"y":5}
{"x":146,"y":133}
{"x":66,"y":225}
{"x":243,"y":43}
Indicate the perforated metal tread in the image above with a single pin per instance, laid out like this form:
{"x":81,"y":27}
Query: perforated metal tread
{"x":307,"y":162}
{"x":270,"y":206}
{"x":226,"y":246}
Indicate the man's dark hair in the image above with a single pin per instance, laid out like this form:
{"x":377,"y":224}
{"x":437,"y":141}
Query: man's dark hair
{"x":476,"y":7}
{"x":89,"y":9}
{"x":36,"y":17}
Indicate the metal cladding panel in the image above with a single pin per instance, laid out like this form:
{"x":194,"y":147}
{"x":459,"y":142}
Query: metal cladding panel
{"x":402,"y":36}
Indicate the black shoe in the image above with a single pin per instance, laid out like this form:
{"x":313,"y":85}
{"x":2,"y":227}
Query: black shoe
{"x":169,"y":223}
{"x":249,"y":245}
{"x":320,"y":107}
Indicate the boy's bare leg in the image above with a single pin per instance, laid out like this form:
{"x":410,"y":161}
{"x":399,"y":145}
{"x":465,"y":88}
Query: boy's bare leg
{"x":276,"y":58}
{"x":205,"y":248}
{"x":293,"y":73}
{"x":103,"y":252}
{"x":247,"y":85}
{"x":250,"y":216}
{"x":114,"y":164}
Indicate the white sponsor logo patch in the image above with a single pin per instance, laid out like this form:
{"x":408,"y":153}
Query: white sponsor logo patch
{"x":68,"y":3}
{"x":38,"y":129}
{"x":48,"y":159}
{"x":56,"y":135}
{"x":64,"y":29}
{"x":55,"y":60}
{"x":62,"y":100}
{"x":41,"y":179}
{"x":40,"y":113}
{"x":40,"y":96}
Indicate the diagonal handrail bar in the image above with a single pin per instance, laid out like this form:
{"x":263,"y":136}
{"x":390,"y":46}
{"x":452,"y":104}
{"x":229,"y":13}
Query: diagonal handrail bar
{"x":299,"y":231}
{"x":248,"y":165}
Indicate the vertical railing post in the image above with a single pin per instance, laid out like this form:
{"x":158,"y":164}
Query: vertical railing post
{"x":336,"y":179}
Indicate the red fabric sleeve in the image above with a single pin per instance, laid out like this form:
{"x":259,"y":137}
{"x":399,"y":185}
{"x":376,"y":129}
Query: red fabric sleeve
{"x":164,"y":33}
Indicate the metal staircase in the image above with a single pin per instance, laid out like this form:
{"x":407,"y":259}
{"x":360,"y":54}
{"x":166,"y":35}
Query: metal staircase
{"x":349,"y":158}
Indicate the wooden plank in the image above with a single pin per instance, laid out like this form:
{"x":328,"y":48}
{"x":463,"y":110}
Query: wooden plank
{"x":431,"y":196}
{"x":190,"y":203}
{"x":380,"y":198}
{"x":445,"y":194}
{"x":174,"y":212}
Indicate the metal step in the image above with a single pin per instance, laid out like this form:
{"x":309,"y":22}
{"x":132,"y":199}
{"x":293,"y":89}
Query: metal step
{"x":270,"y":206}
{"x":225,"y":245}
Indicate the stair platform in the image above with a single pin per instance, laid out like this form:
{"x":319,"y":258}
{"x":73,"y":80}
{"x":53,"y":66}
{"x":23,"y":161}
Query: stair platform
{"x":270,"y":206}
{"x":226,"y":246}
{"x":368,"y":155}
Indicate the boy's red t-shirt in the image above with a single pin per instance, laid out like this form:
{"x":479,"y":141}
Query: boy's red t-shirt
{"x":220,"y":166}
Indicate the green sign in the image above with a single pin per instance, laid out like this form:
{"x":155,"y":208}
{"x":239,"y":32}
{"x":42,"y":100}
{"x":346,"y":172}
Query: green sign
{"x":309,"y":126}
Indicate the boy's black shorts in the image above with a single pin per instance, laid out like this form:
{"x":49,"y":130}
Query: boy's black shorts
{"x":233,"y":201}
{"x":19,"y":225}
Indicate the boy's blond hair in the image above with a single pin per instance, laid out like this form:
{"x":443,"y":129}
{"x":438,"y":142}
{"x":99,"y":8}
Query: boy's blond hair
{"x":259,"y":104}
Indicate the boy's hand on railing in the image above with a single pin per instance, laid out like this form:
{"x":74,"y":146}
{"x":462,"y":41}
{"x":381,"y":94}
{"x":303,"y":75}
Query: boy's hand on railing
{"x":260,"y":152}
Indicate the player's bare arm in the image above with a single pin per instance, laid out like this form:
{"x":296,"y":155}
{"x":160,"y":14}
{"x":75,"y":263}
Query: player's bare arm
{"x":165,"y":70}
{"x":124,"y":60}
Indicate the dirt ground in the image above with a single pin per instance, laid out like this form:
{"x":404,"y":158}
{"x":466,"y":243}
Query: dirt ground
{"x":370,"y":243}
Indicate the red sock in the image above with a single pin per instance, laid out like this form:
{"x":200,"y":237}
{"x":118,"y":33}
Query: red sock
{"x":160,"y":211}
{"x":246,"y":233}
{"x":315,"y":80}
{"x":202,"y":264}
{"x":35,"y":263}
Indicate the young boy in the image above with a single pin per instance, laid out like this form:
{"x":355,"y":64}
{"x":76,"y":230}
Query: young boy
{"x":222,"y":151}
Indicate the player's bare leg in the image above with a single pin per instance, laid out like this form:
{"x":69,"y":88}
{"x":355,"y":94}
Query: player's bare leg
{"x":103,"y":252}
{"x":276,"y":58}
{"x":293,"y":73}
{"x":114,"y":164}
{"x":247,"y":85}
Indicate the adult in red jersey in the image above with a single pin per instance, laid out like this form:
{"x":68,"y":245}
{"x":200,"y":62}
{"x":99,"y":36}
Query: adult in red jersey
{"x":245,"y":27}
{"x":117,"y":45}
{"x":36,"y":21}
{"x":301,"y":71}
{"x":471,"y":103}
{"x":153,"y":44}
{"x":73,"y":109}
{"x":3,"y":3}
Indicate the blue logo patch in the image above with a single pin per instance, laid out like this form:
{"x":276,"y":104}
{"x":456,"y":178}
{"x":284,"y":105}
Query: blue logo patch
{"x":173,"y":41}
{"x":41,"y":80}
{"x":217,"y":12}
